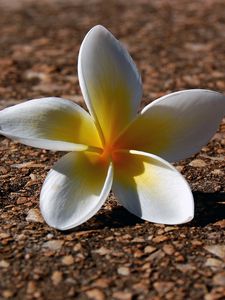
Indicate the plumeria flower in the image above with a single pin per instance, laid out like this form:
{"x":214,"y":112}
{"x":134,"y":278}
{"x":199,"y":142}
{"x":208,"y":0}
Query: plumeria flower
{"x":113,"y":147}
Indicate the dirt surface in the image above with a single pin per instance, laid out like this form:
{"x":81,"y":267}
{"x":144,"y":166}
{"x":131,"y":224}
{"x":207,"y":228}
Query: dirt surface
{"x":176,"y":45}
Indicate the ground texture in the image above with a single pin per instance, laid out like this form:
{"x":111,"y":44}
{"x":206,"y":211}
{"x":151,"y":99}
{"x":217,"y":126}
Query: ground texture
{"x":177,"y":45}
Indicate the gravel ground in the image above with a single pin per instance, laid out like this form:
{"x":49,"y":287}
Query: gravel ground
{"x":177,"y":45}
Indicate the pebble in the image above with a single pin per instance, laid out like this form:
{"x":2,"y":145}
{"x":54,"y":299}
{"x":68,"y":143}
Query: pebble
{"x":34,"y":215}
{"x":160,"y":238}
{"x":3,"y":170}
{"x":157,"y":255}
{"x":196,"y":243}
{"x":4,"y":235}
{"x":33,"y":177}
{"x":95,"y":294}
{"x":179,"y":168}
{"x":102,"y":251}
{"x":149,"y":249}
{"x":197,"y":163}
{"x":125,"y":271}
{"x":68,"y":260}
{"x":31,"y":287}
{"x":185,"y":267}
{"x":7,"y":294}
{"x":218,"y":250}
{"x":220,"y":223}
{"x":102,"y":282}
{"x":170,"y":228}
{"x":138,"y":253}
{"x":219,"y":279}
{"x":122,"y":295}
{"x":22,"y":200}
{"x":168,"y":249}
{"x":53,"y":245}
{"x":217,"y":172}
{"x":49,"y":236}
{"x":4,"y":264}
{"x":162,"y":287}
{"x":213,"y":262}
{"x":77,"y":247}
{"x":56,"y":277}
{"x":138,"y":240}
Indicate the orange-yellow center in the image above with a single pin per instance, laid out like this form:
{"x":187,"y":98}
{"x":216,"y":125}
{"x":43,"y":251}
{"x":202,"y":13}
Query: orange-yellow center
{"x":111,"y":153}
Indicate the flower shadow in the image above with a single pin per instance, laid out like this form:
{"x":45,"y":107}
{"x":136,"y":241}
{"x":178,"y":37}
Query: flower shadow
{"x":209,"y":208}
{"x":118,"y":217}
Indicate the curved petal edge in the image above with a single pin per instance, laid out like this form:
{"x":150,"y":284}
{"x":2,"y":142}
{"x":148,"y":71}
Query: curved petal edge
{"x":152,"y":189}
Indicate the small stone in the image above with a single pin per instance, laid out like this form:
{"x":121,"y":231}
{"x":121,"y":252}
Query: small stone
{"x":214,"y":295}
{"x":170,"y":228}
{"x":71,"y":292}
{"x":68,"y":260}
{"x":31,"y":287}
{"x":20,"y":237}
{"x":141,"y":286}
{"x":22,"y":200}
{"x":196,"y":243}
{"x":138,"y":240}
{"x":160,"y":231}
{"x":162,"y":287}
{"x":185,"y":267}
{"x":218,"y":250}
{"x":33,"y":177}
{"x":30,"y":74}
{"x":77,"y":247}
{"x":3,"y":170}
{"x":197,"y":163}
{"x":213,"y":262}
{"x":168,"y":249}
{"x":179,"y":168}
{"x":138,"y":253}
{"x":102,"y":251}
{"x":53,"y":245}
{"x":217,"y":172}
{"x":56,"y":277}
{"x":123,"y":271}
{"x":122,"y":295}
{"x":4,"y":235}
{"x":95,"y":294}
{"x":219,"y":279}
{"x":49,"y":236}
{"x":7,"y":294}
{"x":179,"y":258}
{"x":4,"y":264}
{"x":102,"y":282}
{"x":34,"y":215}
{"x":156,"y":255}
{"x":149,"y":249}
{"x":220,"y":223}
{"x":160,"y":238}
{"x":146,"y":266}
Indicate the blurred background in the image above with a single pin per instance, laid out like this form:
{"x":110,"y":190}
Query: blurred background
{"x":176,"y":44}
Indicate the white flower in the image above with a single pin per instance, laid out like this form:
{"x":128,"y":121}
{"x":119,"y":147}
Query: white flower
{"x":112,"y":147}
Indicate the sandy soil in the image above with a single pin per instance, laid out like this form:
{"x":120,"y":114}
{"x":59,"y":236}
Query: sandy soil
{"x":177,"y":45}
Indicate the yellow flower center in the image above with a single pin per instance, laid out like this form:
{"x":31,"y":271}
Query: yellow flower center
{"x":111,"y":152}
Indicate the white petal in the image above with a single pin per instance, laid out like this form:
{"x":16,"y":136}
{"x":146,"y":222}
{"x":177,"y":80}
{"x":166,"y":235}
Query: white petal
{"x":50,"y":123}
{"x":176,"y":126}
{"x":152,"y":189}
{"x":75,"y":189}
{"x":109,"y":81}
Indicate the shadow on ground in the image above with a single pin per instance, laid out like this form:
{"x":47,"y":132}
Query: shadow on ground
{"x":209,"y":208}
